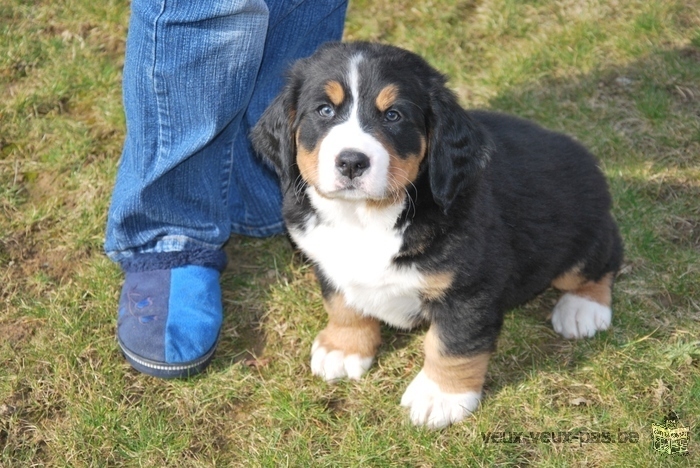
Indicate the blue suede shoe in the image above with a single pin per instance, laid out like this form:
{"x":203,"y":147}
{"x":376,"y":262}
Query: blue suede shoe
{"x":170,"y":311}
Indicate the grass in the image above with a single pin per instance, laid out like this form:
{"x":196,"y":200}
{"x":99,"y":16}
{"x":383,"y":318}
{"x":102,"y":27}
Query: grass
{"x":622,"y":77}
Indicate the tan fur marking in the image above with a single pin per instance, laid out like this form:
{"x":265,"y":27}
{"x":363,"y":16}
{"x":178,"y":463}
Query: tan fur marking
{"x":335,"y":92}
{"x":387,"y":97}
{"x":384,"y":202}
{"x":436,"y":285}
{"x":575,"y":283}
{"x":600,"y":292}
{"x":348,"y":331}
{"x":570,"y":280}
{"x":307,"y":160}
{"x":453,"y":374}
{"x":403,"y":171}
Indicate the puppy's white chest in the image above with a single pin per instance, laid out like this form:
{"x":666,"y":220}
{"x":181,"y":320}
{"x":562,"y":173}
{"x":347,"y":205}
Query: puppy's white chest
{"x":354,"y":246}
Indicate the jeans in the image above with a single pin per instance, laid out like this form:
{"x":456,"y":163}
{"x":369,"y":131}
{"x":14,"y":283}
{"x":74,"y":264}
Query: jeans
{"x":197,"y":76}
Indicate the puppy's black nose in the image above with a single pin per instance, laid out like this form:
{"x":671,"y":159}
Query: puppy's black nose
{"x":352,"y":164}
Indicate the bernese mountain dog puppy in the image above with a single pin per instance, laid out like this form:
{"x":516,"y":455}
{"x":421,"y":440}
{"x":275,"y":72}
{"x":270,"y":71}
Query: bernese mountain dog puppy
{"x":414,"y":210}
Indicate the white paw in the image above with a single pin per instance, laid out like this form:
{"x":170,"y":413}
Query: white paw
{"x":335,"y":364}
{"x":434,"y":408}
{"x":577,"y":317}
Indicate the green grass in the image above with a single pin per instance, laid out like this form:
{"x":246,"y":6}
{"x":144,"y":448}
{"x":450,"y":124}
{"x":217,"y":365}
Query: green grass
{"x":622,"y":77}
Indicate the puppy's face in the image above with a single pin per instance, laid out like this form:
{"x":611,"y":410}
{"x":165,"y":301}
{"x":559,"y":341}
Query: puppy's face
{"x":360,"y":134}
{"x":361,"y":121}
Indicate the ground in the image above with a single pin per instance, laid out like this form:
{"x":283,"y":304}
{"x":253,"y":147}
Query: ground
{"x":621,"y":77}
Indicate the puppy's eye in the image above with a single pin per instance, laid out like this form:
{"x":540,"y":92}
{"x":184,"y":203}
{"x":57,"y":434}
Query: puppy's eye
{"x":326,"y":111}
{"x":392,"y":116}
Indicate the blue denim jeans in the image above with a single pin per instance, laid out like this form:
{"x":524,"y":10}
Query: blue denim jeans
{"x":197,"y":77}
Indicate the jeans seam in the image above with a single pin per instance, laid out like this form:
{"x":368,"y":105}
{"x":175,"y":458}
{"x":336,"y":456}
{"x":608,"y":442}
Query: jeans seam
{"x":228,"y":173}
{"x":158,"y":91}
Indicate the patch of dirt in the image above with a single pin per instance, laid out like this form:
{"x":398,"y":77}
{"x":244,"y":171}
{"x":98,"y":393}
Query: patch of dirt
{"x":25,"y":254}
{"x":667,"y":300}
{"x":111,"y":41}
{"x":577,"y":395}
{"x":17,"y":333}
{"x":691,"y":53}
{"x":13,"y":404}
{"x":666,"y":189}
{"x":334,"y":406}
{"x":245,"y":256}
{"x":685,"y":232}
{"x":18,"y":425}
{"x":37,"y":245}
{"x":54,"y":106}
{"x":41,"y":185}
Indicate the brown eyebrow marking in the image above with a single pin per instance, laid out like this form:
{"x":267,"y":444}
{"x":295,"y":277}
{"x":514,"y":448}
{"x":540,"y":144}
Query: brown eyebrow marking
{"x":335,"y":92}
{"x":386,"y":97}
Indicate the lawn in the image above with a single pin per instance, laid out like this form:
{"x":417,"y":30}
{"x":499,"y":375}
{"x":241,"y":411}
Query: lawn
{"x":623,"y":77}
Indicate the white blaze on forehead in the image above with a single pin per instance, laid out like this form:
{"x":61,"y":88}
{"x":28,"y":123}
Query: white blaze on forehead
{"x":349,"y":135}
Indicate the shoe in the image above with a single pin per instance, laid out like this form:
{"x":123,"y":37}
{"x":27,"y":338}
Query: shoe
{"x":170,"y":311}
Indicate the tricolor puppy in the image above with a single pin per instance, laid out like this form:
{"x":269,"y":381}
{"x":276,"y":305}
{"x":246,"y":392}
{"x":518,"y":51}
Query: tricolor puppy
{"x":413,"y":209}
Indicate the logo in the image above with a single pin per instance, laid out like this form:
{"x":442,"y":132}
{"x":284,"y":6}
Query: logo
{"x":671,"y":437}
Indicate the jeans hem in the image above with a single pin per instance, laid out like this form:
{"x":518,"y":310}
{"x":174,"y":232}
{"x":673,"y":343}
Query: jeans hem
{"x":164,"y":244}
{"x":259,"y":231}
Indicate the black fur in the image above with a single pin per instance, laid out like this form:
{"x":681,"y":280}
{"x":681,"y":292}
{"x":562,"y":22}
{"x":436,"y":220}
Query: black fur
{"x":504,"y":204}
{"x":459,"y":149}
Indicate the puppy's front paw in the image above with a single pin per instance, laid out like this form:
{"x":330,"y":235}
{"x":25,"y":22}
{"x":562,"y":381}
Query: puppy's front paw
{"x":434,"y":408}
{"x":334,"y":364}
{"x":577,"y":317}
{"x":347,"y":346}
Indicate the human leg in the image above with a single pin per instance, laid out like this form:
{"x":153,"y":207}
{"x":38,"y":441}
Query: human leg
{"x":189,"y":73}
{"x":171,"y":212}
{"x":296,"y":29}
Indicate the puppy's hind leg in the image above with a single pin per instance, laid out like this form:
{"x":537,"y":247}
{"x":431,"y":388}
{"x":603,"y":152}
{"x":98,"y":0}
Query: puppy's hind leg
{"x":585,"y":307}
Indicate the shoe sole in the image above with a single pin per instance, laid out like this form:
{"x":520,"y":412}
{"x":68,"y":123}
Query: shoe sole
{"x":163,"y":370}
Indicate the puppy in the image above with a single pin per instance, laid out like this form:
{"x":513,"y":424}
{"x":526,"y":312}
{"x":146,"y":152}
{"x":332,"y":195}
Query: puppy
{"x":413,"y":209}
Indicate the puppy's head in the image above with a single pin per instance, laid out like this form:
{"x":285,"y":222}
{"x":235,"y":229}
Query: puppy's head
{"x":363,"y":121}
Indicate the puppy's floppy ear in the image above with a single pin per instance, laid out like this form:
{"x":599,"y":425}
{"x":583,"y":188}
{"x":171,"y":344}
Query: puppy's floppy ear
{"x":273,"y":137}
{"x":459,"y":149}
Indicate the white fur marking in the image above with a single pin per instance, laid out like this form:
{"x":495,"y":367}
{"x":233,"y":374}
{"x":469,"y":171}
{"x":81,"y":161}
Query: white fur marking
{"x":577,"y":317}
{"x":349,"y":135}
{"x":434,"y":408}
{"x":335,"y":365}
{"x":355,"y":245}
